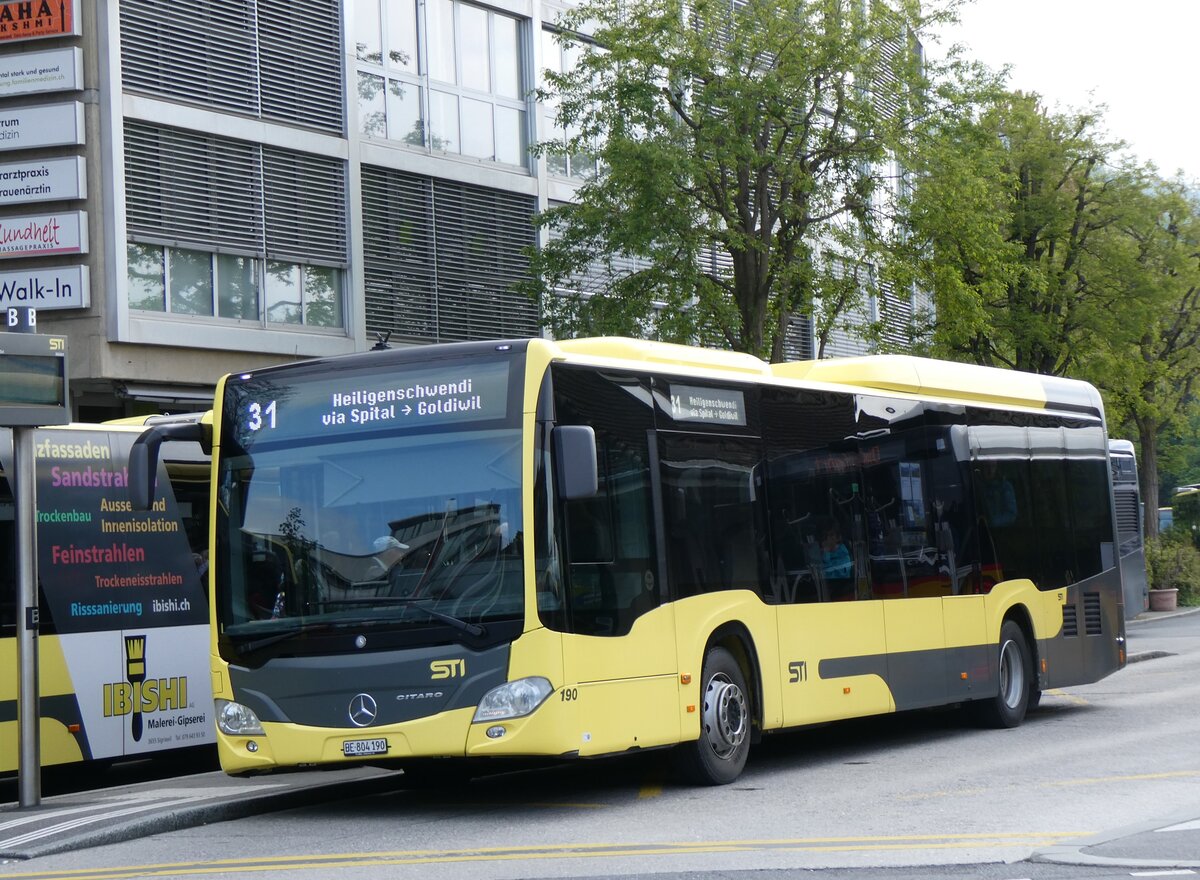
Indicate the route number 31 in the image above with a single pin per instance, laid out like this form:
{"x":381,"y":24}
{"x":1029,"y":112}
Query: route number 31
{"x":258,"y":413}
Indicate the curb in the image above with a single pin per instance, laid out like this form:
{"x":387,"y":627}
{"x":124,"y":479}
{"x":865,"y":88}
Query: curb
{"x":1071,"y":854}
{"x":204,"y":813}
{"x":1149,"y":616}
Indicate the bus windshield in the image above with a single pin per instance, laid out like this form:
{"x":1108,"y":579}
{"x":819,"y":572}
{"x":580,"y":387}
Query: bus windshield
{"x":411,"y":527}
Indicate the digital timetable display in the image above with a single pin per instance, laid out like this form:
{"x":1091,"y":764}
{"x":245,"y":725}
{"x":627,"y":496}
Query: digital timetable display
{"x":33,"y":380}
{"x":348,"y":402}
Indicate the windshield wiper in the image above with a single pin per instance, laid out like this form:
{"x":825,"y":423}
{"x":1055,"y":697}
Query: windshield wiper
{"x":477,"y":630}
{"x":256,"y":645}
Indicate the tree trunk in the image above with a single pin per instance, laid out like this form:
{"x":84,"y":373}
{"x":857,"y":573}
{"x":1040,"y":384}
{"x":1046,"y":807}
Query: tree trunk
{"x":1148,"y":475}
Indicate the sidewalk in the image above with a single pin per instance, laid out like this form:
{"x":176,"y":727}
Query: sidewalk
{"x":80,"y":820}
{"x":1147,"y":616}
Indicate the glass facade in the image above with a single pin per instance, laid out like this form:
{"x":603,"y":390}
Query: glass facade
{"x":557,"y":58}
{"x":442,"y":76}
{"x":180,"y":281}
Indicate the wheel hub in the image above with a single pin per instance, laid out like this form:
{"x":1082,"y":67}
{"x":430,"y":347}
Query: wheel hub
{"x":726,"y":715}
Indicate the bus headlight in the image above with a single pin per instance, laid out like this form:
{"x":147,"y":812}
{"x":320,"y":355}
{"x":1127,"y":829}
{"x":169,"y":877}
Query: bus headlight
{"x":235,"y":719}
{"x":513,"y":699}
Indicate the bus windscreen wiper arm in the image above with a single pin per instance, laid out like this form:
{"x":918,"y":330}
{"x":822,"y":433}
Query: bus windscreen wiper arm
{"x":266,"y":641}
{"x":472,"y":629}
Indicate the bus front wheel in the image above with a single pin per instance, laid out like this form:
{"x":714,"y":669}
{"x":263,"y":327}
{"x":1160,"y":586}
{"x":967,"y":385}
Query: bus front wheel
{"x":718,"y":756}
{"x":1008,"y":707}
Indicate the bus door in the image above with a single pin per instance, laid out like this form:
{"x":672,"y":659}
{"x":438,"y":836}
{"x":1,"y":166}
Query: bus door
{"x":918,"y":524}
{"x":619,"y":656}
{"x":832,"y":652}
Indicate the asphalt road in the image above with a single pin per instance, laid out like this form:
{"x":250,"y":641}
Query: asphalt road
{"x":1101,"y":781}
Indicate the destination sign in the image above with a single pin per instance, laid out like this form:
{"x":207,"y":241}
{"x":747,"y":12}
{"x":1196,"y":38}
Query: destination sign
{"x":344,"y":402}
{"x":693,"y":403}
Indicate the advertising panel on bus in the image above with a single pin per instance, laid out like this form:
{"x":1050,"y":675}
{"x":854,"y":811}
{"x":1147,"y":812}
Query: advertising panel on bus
{"x":123,"y":610}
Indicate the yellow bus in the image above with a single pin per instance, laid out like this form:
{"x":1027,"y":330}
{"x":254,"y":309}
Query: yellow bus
{"x":123,"y":633}
{"x":582,"y":548}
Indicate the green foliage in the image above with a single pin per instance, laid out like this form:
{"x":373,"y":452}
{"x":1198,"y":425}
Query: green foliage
{"x":1179,"y":454}
{"x":1013,"y":224}
{"x":739,"y":143}
{"x":1173,"y":562}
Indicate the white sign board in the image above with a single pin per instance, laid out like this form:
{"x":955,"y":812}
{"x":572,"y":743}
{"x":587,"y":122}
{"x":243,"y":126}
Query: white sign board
{"x":175,"y":713}
{"x":43,"y":180}
{"x":64,"y":287}
{"x":29,"y":73}
{"x":48,"y":125}
{"x":44,"y":234}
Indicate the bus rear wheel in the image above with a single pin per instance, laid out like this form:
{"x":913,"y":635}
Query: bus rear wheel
{"x":718,"y":756}
{"x":1007,"y":709}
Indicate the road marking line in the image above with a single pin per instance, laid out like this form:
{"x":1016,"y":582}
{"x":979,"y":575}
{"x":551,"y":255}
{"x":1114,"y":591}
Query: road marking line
{"x":558,"y":851}
{"x":1174,"y":774}
{"x":1071,"y":698}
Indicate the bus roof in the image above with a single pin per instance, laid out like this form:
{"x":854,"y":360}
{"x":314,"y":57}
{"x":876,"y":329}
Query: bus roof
{"x":901,"y":374}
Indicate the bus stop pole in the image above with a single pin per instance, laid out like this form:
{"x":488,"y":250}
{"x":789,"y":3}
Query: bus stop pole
{"x":29,"y":769}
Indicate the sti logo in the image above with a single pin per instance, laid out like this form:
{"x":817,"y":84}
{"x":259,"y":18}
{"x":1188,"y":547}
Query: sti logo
{"x":439,"y":669}
{"x":138,"y":695}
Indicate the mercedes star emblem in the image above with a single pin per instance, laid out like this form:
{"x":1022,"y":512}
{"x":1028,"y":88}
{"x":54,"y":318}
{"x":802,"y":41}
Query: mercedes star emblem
{"x":363,"y":710}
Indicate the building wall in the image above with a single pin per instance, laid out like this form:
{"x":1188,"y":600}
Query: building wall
{"x":259,"y":189}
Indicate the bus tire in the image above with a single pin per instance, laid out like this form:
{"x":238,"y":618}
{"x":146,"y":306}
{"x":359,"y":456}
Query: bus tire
{"x":1007,"y":709}
{"x":718,"y":756}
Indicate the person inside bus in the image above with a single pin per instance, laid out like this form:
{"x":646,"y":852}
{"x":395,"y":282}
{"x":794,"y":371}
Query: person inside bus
{"x":999,"y":497}
{"x":834,"y":555}
{"x":387,"y":551}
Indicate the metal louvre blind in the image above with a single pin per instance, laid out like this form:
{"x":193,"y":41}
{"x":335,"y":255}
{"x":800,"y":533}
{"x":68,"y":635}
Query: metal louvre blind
{"x":897,"y":317}
{"x":197,"y":50}
{"x":300,"y":63}
{"x":798,"y":339}
{"x":892,"y":52}
{"x":305,"y":206}
{"x":845,"y":339}
{"x":480,"y":234}
{"x":440,"y":259}
{"x":204,"y":191}
{"x":398,"y":255}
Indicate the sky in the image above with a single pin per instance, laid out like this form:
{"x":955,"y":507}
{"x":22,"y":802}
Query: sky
{"x":1138,"y":57}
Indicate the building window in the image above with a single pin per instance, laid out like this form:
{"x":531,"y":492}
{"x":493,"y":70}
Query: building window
{"x":559,"y":58}
{"x":180,"y":281}
{"x":228,"y":229}
{"x":442,"y":76}
{"x":306,"y":295}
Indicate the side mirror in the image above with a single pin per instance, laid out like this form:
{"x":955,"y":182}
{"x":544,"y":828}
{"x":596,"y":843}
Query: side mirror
{"x":575,"y":457}
{"x":143,"y":459}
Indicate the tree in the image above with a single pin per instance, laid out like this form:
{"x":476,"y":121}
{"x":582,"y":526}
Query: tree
{"x":1010,"y":224}
{"x":740,"y":146}
{"x":1150,"y":370}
